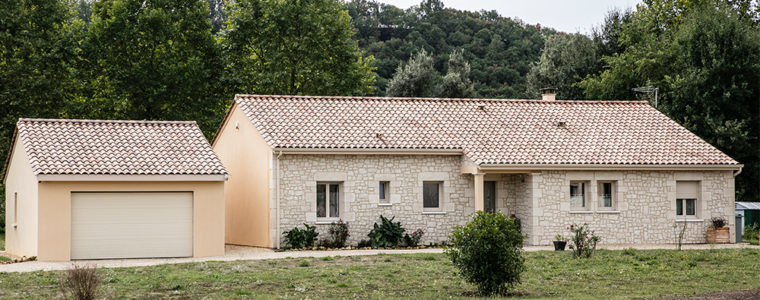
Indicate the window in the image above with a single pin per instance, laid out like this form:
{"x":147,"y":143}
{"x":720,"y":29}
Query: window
{"x":15,"y":209}
{"x":606,"y":194}
{"x":578,"y":196}
{"x":328,"y":200}
{"x":384,"y":191}
{"x":686,"y":198}
{"x":431,"y":194}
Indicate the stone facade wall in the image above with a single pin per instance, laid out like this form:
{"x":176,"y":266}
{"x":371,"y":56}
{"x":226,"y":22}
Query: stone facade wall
{"x":359,"y":176}
{"x":645,"y":208}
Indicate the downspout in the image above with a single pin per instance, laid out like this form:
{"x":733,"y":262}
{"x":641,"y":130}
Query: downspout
{"x":738,"y":171}
{"x":277,"y":186}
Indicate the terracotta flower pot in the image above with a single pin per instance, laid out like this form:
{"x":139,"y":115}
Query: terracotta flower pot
{"x":718,"y":235}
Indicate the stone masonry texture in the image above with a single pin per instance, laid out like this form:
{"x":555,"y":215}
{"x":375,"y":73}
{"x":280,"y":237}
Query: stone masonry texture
{"x":643,"y":210}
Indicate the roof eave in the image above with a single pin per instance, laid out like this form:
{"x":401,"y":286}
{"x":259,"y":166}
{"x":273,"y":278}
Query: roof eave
{"x":664,"y":167}
{"x":109,"y":177}
{"x":366,"y":151}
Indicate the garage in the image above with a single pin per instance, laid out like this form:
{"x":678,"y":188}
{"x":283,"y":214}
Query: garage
{"x":131,"y":225}
{"x":108,"y":189}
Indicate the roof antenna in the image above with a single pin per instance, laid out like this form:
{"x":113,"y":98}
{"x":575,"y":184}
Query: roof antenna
{"x":648,"y":89}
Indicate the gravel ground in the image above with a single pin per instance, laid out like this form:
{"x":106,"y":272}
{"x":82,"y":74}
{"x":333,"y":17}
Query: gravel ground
{"x":252,"y":253}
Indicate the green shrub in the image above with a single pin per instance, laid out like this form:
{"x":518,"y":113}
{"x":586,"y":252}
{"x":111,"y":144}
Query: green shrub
{"x":488,"y":252}
{"x":750,"y":233}
{"x":301,"y":238}
{"x":386,"y":235}
{"x":414,"y":239}
{"x":338,"y":235}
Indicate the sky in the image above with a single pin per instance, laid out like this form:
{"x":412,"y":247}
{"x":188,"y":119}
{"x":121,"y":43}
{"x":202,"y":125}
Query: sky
{"x":564,"y":15}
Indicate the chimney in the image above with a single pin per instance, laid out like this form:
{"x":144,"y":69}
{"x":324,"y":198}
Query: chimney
{"x":548,"y":94}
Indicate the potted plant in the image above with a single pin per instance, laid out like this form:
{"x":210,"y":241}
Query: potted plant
{"x":559,"y":242}
{"x":718,"y":233}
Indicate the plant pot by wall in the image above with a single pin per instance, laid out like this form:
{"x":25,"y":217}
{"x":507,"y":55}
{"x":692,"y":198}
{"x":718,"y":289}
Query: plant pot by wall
{"x":718,"y":235}
{"x":559,"y":245}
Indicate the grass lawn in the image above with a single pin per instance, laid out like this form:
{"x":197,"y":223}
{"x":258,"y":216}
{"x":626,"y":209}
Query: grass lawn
{"x":610,"y":274}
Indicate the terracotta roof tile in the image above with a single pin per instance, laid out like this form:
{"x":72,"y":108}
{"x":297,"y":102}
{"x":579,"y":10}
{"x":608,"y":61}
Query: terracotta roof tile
{"x":488,"y":131}
{"x":117,"y":147}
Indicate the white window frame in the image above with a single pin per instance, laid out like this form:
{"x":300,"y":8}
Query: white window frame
{"x":585,"y":184}
{"x":684,"y":199}
{"x":613,"y":195}
{"x":440,"y":196}
{"x":328,"y":213}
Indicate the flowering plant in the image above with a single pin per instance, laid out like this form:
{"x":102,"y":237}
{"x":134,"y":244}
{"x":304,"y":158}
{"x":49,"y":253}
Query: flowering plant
{"x":583,"y":240}
{"x":414,"y":239}
{"x":338,"y":234}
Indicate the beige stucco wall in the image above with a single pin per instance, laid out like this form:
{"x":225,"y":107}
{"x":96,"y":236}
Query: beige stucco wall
{"x":645,"y":210}
{"x":54,"y":243}
{"x":360,"y":205}
{"x":20,"y":240}
{"x":247,"y":158}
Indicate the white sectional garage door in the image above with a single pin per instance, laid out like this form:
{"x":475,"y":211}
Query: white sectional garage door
{"x":131,"y":225}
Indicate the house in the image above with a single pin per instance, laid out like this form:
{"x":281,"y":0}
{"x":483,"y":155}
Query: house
{"x":622,"y":166}
{"x":87,"y":189}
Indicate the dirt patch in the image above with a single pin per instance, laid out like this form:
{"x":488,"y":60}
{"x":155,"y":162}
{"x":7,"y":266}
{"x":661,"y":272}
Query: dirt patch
{"x":727,"y":295}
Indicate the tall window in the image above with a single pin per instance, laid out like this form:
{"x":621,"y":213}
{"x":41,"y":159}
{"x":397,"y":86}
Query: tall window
{"x":686,"y":198}
{"x":606,"y":194}
{"x":15,"y":207}
{"x":328,"y":200}
{"x":384,"y":190}
{"x":578,"y":195}
{"x":431,"y":194}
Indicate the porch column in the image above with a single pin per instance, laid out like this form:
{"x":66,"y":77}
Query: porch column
{"x":479,"y":203}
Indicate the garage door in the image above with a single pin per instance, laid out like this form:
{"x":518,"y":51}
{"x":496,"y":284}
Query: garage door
{"x":131,"y":225}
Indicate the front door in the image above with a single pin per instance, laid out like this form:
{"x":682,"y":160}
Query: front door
{"x":489,"y":196}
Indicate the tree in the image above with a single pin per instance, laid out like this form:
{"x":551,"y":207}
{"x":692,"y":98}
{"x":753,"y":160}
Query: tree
{"x":457,"y":83}
{"x":715,"y":92}
{"x":416,"y":79}
{"x":566,"y":59}
{"x":703,"y":56}
{"x":295,"y":47}
{"x":38,"y":46}
{"x":217,"y":15}
{"x":154,"y":60}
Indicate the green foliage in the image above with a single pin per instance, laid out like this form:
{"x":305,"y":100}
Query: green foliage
{"x":583,"y":241}
{"x":416,"y":79}
{"x":565,"y":59}
{"x":338,"y":232}
{"x":294,"y":48}
{"x":704,"y":56}
{"x":297,"y":238}
{"x":488,"y":252}
{"x":386,"y":235}
{"x":457,"y":83}
{"x":413,"y":240}
{"x":499,"y":49}
{"x":154,"y":60}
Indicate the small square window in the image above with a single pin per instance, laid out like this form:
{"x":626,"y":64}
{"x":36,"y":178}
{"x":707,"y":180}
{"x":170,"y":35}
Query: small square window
{"x":578,"y":195}
{"x":384,"y":192}
{"x":687,"y":193}
{"x":431,"y":192}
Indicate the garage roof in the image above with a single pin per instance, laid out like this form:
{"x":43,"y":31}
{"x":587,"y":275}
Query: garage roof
{"x":98,"y":147}
{"x":748,"y":205}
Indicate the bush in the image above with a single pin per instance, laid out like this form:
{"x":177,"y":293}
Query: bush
{"x":301,"y":238}
{"x":718,"y":222}
{"x":583,"y":240}
{"x":488,"y":252}
{"x":364,"y":244}
{"x":386,"y":235}
{"x":414,"y":239}
{"x":81,"y":282}
{"x":338,"y":235}
{"x":750,"y":233}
